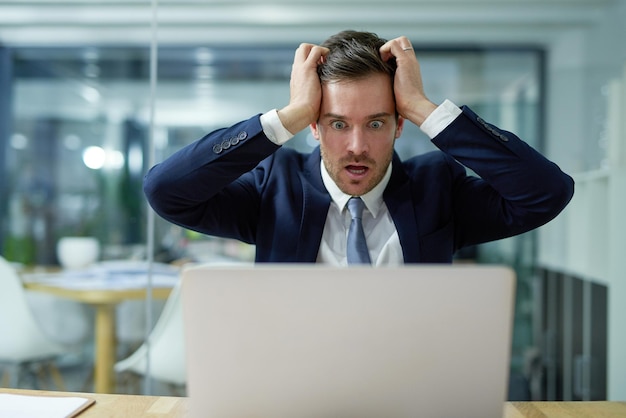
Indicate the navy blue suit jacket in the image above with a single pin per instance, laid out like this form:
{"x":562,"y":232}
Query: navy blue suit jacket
{"x":235,"y":183}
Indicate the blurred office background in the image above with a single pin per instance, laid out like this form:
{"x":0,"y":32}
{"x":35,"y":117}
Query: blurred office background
{"x":76,"y":138}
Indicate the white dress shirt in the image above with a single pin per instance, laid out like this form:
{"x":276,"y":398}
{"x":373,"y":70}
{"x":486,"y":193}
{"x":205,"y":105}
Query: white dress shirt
{"x":380,"y":232}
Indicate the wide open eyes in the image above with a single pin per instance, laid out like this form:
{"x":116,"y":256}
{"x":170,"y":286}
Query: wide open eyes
{"x":340,"y":125}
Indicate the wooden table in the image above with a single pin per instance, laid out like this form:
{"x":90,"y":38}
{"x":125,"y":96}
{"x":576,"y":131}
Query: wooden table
{"x":137,"y":406}
{"x":597,"y":409}
{"x":104,"y":301}
{"x":109,"y":405}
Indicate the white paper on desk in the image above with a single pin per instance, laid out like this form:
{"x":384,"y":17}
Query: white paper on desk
{"x":28,"y":406}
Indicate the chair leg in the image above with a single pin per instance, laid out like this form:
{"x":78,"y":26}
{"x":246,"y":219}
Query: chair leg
{"x":129,"y":382}
{"x":57,"y":378}
{"x":38,"y":372}
{"x":39,"y":376}
{"x":14,"y":375}
{"x":89,"y":381}
{"x":5,"y":378}
{"x":48,"y":369}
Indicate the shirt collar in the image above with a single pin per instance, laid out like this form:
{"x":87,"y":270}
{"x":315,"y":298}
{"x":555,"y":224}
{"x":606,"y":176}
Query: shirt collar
{"x":373,"y":199}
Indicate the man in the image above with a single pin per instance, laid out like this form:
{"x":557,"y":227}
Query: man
{"x":356,"y":91}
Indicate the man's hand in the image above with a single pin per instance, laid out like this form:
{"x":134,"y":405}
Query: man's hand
{"x":411,"y":101}
{"x":306,"y":90}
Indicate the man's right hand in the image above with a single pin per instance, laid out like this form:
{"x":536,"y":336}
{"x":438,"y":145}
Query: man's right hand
{"x":305,"y":89}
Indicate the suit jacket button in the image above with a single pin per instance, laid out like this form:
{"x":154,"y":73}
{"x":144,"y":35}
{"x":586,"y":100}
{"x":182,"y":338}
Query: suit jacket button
{"x":242,"y":135}
{"x":226,"y":144}
{"x":234,"y":141}
{"x":504,"y":138}
{"x":217,"y":148}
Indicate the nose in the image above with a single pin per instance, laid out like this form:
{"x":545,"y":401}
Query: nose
{"x":357,"y":142}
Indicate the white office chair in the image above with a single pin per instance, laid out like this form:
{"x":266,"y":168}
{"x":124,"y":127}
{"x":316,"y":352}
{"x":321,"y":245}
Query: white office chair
{"x":167,"y":347}
{"x":24,"y":348}
{"x":166,"y":344}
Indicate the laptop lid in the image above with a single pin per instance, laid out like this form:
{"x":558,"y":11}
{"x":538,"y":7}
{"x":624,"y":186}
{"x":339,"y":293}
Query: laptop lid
{"x":303,"y":341}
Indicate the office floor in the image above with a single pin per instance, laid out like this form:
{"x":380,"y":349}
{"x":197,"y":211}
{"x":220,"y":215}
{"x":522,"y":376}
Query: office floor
{"x":75,"y":376}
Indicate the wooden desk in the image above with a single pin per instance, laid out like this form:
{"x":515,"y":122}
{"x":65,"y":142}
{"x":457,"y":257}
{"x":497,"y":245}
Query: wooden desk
{"x":136,"y":406}
{"x":595,"y":409}
{"x":104,"y":300}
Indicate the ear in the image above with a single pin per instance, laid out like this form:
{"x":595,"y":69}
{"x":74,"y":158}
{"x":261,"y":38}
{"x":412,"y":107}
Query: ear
{"x":315,"y":131}
{"x":400,"y":127}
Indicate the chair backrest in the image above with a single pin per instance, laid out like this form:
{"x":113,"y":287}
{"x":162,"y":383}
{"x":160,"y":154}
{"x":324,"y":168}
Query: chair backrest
{"x":21,"y":337}
{"x":166,"y":341}
{"x":166,"y":345}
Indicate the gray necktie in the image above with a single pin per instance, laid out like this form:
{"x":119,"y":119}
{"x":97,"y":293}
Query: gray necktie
{"x":357,"y":247}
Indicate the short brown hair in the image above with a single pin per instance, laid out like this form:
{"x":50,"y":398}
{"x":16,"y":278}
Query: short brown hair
{"x":354,"y":55}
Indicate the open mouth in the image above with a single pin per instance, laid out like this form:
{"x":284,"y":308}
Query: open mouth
{"x":357,"y":170}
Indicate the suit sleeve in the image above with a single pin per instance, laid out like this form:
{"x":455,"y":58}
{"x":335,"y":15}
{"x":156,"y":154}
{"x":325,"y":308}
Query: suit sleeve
{"x":203,"y":185}
{"x":518,"y":189}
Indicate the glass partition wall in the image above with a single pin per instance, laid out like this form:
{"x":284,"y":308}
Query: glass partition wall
{"x":76,"y":140}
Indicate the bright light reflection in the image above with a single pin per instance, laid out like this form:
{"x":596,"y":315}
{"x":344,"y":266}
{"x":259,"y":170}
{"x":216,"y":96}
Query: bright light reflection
{"x":114,"y":159}
{"x":135,"y":159}
{"x":94,"y":157}
{"x":97,"y":158}
{"x":90,"y":94}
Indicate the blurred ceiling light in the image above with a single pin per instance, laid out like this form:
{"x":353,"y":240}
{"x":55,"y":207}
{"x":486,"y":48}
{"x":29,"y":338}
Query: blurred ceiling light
{"x":114,"y":159}
{"x":97,"y":158}
{"x":94,"y":157}
{"x":204,"y":56}
{"x":19,"y":141}
{"x":71,"y":142}
{"x":90,"y":94}
{"x":135,"y":159}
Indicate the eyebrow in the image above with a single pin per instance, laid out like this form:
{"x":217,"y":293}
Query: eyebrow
{"x":374,"y":116}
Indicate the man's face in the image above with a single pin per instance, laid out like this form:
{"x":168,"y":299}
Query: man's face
{"x":357,"y":129}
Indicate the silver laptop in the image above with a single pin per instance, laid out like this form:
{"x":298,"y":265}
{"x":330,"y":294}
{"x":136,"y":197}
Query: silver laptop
{"x":300,"y":341}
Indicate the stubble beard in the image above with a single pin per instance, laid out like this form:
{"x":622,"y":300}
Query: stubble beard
{"x":335,"y":169}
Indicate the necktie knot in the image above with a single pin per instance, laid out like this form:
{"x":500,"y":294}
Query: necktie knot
{"x":355,"y":206}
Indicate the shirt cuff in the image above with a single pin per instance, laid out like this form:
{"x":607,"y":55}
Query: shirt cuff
{"x":273,"y":128}
{"x":440,"y":118}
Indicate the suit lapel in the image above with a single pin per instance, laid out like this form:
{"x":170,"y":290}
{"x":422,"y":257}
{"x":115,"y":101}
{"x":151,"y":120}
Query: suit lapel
{"x":402,"y":211}
{"x":316,"y":202}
